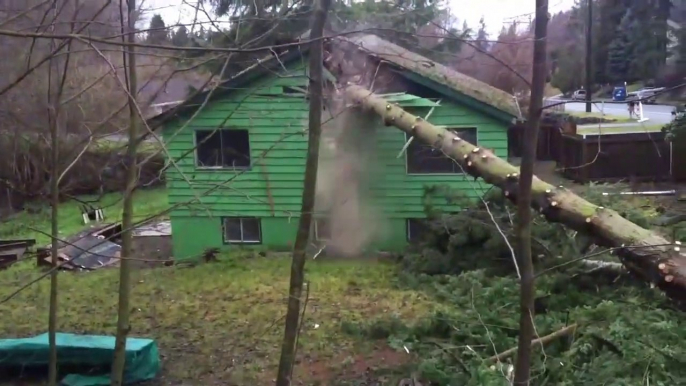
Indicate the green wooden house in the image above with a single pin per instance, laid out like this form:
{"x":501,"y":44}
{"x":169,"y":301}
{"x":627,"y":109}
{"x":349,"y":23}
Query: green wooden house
{"x":237,"y":154}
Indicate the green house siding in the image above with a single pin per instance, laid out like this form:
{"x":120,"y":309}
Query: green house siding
{"x":272,"y":189}
{"x":391,"y":195}
{"x":278,"y":147}
{"x":400,"y":194}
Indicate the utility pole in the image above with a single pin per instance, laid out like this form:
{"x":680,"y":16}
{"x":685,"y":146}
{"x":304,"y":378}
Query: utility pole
{"x":589,"y":56}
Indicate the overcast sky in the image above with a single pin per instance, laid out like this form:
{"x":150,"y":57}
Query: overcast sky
{"x":496,"y":13}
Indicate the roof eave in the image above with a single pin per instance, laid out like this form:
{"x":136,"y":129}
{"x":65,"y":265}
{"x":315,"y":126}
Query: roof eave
{"x":490,"y":110}
{"x":227,"y":86}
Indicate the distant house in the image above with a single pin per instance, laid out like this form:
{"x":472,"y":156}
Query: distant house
{"x":159,"y":95}
{"x":248,"y":145}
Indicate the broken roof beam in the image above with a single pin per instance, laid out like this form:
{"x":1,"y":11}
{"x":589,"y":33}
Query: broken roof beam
{"x":643,"y":252}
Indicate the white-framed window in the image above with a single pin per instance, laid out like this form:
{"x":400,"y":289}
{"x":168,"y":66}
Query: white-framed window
{"x":242,"y":230}
{"x":222,"y":149}
{"x":422,"y":158}
{"x":322,"y":229}
{"x":416,"y":229}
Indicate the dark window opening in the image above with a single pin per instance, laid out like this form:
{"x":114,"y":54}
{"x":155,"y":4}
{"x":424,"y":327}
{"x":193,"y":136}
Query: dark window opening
{"x":242,"y":230}
{"x":416,"y":230}
{"x":295,"y":90}
{"x":322,"y":229}
{"x":223,"y":148}
{"x":425,"y":159}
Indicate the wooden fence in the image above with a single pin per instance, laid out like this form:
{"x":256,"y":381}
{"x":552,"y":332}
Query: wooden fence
{"x":615,"y":157}
{"x":549,"y":141}
{"x":606,"y":158}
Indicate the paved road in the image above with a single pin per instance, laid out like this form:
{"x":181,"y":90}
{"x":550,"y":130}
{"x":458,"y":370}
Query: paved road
{"x":655,"y":113}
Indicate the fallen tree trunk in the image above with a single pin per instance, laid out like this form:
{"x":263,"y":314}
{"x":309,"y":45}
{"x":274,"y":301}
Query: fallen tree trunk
{"x":644,"y":253}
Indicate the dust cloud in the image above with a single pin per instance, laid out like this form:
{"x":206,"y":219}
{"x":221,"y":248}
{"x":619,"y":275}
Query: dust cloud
{"x":347,"y":168}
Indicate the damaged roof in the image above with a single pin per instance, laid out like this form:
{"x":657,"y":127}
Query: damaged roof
{"x":411,"y":61}
{"x":440,"y":75}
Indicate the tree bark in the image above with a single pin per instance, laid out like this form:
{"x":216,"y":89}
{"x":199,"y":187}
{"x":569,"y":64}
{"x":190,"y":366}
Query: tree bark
{"x":523,"y":224}
{"x":54,"y":248}
{"x":123,"y":324}
{"x":288,"y":346}
{"x":643,"y":252}
{"x":54,"y":108}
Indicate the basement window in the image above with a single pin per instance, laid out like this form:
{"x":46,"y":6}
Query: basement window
{"x":416,"y":229}
{"x":242,"y":230}
{"x":422,"y":158}
{"x":322,"y":229}
{"x":222,"y":149}
{"x":297,"y":92}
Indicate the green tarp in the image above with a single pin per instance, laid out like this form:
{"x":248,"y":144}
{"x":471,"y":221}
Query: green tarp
{"x":82,"y":351}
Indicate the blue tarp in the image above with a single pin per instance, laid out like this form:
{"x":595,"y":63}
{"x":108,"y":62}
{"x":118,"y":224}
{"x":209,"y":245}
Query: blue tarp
{"x":87,"y":351}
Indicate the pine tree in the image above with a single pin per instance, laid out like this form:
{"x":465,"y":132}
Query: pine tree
{"x":180,"y":37}
{"x":482,"y":36}
{"x":157,"y":33}
{"x":680,"y":51}
{"x":621,"y":51}
{"x":609,"y":16}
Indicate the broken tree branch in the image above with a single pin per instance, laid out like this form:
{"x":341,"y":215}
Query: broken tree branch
{"x":643,"y":252}
{"x":544,"y":340}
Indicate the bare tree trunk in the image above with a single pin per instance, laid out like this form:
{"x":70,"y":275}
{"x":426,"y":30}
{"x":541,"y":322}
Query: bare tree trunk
{"x":54,"y":107}
{"x":643,"y":252}
{"x":288,"y":346}
{"x":523,"y":225}
{"x":54,"y":201}
{"x":123,"y":325}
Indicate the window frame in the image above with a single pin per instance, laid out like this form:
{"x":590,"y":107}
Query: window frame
{"x":219,"y":130}
{"x":459,"y":172}
{"x":408,"y":233}
{"x":226,"y":241}
{"x":316,"y":228}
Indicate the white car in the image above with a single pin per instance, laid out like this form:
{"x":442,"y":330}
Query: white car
{"x":579,"y":95}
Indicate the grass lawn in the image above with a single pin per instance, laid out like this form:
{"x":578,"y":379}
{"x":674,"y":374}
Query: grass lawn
{"x":616,"y":130}
{"x":218,"y":323}
{"x":36,"y":222}
{"x":222,"y":323}
{"x":614,"y":118}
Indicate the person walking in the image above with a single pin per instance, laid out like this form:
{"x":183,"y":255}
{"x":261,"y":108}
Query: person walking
{"x":632,"y":111}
